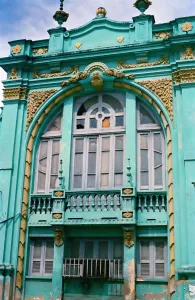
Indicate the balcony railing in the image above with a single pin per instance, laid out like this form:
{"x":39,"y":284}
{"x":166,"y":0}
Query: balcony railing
{"x":41,"y":204}
{"x":152,"y":201}
{"x":93,"y":268}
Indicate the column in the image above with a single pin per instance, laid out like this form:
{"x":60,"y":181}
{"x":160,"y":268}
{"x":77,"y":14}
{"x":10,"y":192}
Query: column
{"x":129,"y":263}
{"x":57,"y":279}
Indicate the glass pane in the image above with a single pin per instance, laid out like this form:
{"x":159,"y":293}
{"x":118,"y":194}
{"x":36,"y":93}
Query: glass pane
{"x":157,"y":142}
{"x":105,"y":110}
{"x":104,"y":180}
{"x":43,"y":150}
{"x":106,"y":143}
{"x":88,"y":253}
{"x":93,"y":123}
{"x":157,"y":159}
{"x":91,"y":181}
{"x":145,"y":269}
{"x":56,"y":124}
{"x":80,"y":124}
{"x":92,"y":145}
{"x":78,"y":164}
{"x":94,"y":112}
{"x":55,"y":147}
{"x":49,"y":250}
{"x":160,"y":269}
{"x":79,"y":145}
{"x":119,"y":143}
{"x":143,"y":141}
{"x":53,"y":181}
{"x":158,"y":176}
{"x":145,"y":253}
{"x":74,"y":249}
{"x":105,"y":162}
{"x":116,"y":105}
{"x":77,"y":181}
{"x":144,"y":178}
{"x":119,"y":121}
{"x":106,"y":122}
{"x":36,"y":267}
{"x":86,"y":105}
{"x":118,"y":161}
{"x":43,"y":165}
{"x":103,"y":250}
{"x":48,"y":267}
{"x":117,"y":250}
{"x":144,"y":160}
{"x":41,"y":181}
{"x":92,"y":163}
{"x":145,"y":117}
{"x":55,"y":164}
{"x":37,"y":249}
{"x":159,"y":250}
{"x":118,"y":180}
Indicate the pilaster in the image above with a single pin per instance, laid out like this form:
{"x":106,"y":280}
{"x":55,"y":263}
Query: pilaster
{"x":143,"y":27}
{"x":56,"y":41}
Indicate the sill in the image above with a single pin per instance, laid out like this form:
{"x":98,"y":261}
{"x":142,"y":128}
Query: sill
{"x":152,"y":280}
{"x":39,"y":277}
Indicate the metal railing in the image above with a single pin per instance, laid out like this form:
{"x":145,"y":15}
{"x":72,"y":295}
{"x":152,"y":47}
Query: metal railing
{"x":151,"y":201}
{"x":93,"y":268}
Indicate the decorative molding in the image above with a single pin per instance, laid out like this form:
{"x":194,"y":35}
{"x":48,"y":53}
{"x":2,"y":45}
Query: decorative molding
{"x":14,"y":74}
{"x":164,"y":60}
{"x":163,"y":35}
{"x":163,"y":89}
{"x":128,"y":238}
{"x":16,"y":49}
{"x":127,"y":191}
{"x":184,"y":76}
{"x":37,"y":74}
{"x":127,"y":214}
{"x":97,"y":81}
{"x":118,"y":74}
{"x":40,"y":51}
{"x":57,"y":216}
{"x":120,"y":39}
{"x":96,"y":65}
{"x":75,"y":78}
{"x":58,"y":237}
{"x":78,"y":45}
{"x":35,"y":100}
{"x":187,"y":54}
{"x":15,"y":93}
{"x":187,"y":26}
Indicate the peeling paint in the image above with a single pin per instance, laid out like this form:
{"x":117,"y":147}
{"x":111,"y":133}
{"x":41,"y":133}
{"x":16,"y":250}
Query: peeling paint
{"x":129,"y":287}
{"x":159,"y":296}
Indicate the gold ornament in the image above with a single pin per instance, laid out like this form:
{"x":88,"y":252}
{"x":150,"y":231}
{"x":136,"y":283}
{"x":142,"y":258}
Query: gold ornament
{"x":184,"y":76}
{"x":15,"y":93}
{"x":164,"y":60}
{"x":39,"y":51}
{"x":37,"y":74}
{"x":128,"y":215}
{"x":58,"y":237}
{"x":117,"y":74}
{"x":188,"y":54}
{"x":16,"y":49}
{"x":120,"y":39}
{"x":58,"y":194}
{"x":127,"y":191}
{"x":57,"y":216}
{"x":187,"y":26}
{"x":75,"y":78}
{"x":97,"y":81}
{"x":78,"y":45}
{"x":163,"y":35}
{"x":14,"y":74}
{"x":128,"y":238}
{"x":101,"y":10}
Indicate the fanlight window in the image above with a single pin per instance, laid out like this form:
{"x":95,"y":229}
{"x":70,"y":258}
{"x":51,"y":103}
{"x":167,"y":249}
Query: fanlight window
{"x":48,"y":157}
{"x":99,"y":157}
{"x":151,"y":162}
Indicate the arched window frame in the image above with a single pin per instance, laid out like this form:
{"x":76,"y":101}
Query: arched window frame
{"x":48,"y":137}
{"x":150,"y":130}
{"x":100,"y":133}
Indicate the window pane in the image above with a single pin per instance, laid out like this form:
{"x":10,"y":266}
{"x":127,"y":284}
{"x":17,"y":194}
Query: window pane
{"x":48,"y":267}
{"x":74,"y":249}
{"x":49,"y":250}
{"x":106,"y":143}
{"x":43,"y":150}
{"x":41,"y":181}
{"x":93,"y":123}
{"x":158,"y":176}
{"x":119,"y":143}
{"x":55,"y":164}
{"x":144,"y":160}
{"x":118,"y":161}
{"x":160,"y":269}
{"x":106,"y":122}
{"x":86,"y":105}
{"x":105,"y":162}
{"x":79,"y":145}
{"x":36,"y":265}
{"x":118,"y":180}
{"x":77,"y":181}
{"x":104,"y":180}
{"x":119,"y":121}
{"x":88,"y":250}
{"x":145,"y":254}
{"x":145,"y":269}
{"x":143,"y":141}
{"x":37,"y":249}
{"x":157,"y":159}
{"x":94,"y":112}
{"x":103,"y":250}
{"x":78,"y":164}
{"x":92,"y":163}
{"x":105,"y":110}
{"x":53,"y":181}
{"x":110,"y":100}
{"x":157,"y":142}
{"x":159,"y":250}
{"x":80,"y":124}
{"x":117,"y":250}
{"x":92,"y":145}
{"x":145,"y":117}
{"x":55,"y":147}
{"x":91,"y":181}
{"x":56,"y":124}
{"x":144,"y":178}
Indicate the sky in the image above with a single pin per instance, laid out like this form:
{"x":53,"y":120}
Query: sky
{"x":25,"y":19}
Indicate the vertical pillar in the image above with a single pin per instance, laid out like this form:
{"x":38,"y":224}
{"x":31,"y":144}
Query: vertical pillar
{"x":57,"y":283}
{"x":129,"y":263}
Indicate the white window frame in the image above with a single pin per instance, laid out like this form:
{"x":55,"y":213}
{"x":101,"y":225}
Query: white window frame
{"x":150,"y":130}
{"x":43,"y":258}
{"x":152,"y":259}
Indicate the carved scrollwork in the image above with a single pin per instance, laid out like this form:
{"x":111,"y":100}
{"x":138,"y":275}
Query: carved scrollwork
{"x":37,"y":74}
{"x":15,"y":93}
{"x":164,"y":60}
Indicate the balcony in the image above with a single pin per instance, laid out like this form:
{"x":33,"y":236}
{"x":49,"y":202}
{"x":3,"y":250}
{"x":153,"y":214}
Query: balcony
{"x":111,"y":269}
{"x":99,"y":207}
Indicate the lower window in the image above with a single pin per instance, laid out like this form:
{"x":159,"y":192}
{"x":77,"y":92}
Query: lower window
{"x":152,"y":258}
{"x":41,"y":257}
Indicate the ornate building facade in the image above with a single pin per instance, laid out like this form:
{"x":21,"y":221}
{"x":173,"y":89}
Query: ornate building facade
{"x":97,"y":162}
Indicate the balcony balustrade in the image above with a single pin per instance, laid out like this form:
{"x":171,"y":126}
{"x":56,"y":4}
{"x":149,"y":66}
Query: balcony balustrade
{"x":93,"y":268}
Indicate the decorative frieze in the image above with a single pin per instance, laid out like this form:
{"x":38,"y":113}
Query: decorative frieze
{"x":162,"y":35}
{"x":14,"y":74}
{"x":37,"y":74}
{"x":40,"y":51}
{"x":187,"y":54}
{"x":184,"y":76}
{"x":16,"y":49}
{"x":15,"y":93}
{"x":187,"y":26}
{"x":164,"y":60}
{"x":35,"y":100}
{"x":163,"y":89}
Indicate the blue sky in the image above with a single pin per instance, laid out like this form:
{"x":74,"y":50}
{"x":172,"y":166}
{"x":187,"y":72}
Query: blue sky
{"x":30,"y":19}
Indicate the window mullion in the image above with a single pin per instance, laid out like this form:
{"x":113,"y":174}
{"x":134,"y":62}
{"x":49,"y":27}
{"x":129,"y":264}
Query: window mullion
{"x":48,"y":166}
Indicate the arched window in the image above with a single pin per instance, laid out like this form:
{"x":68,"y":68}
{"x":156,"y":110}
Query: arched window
{"x":151,"y":152}
{"x":48,"y":157}
{"x":98,"y":143}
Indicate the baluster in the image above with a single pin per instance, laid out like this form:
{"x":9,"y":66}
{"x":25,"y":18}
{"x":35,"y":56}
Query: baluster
{"x":108,"y":202}
{"x":86,"y":203}
{"x":145,"y":203}
{"x":33,"y":206}
{"x":49,"y":206}
{"x":163,"y":206}
{"x":93,"y":202}
{"x":44,"y":206}
{"x":111,"y":202}
{"x":74,"y":203}
{"x":121,"y":202}
{"x":99,"y":203}
{"x":78,"y":203}
{"x":39,"y":206}
{"x":157,"y":206}
{"x":90,"y":202}
{"x":104,"y":203}
{"x":115,"y":202}
{"x":151,"y":202}
{"x":139,"y":207}
{"x":68,"y":201}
